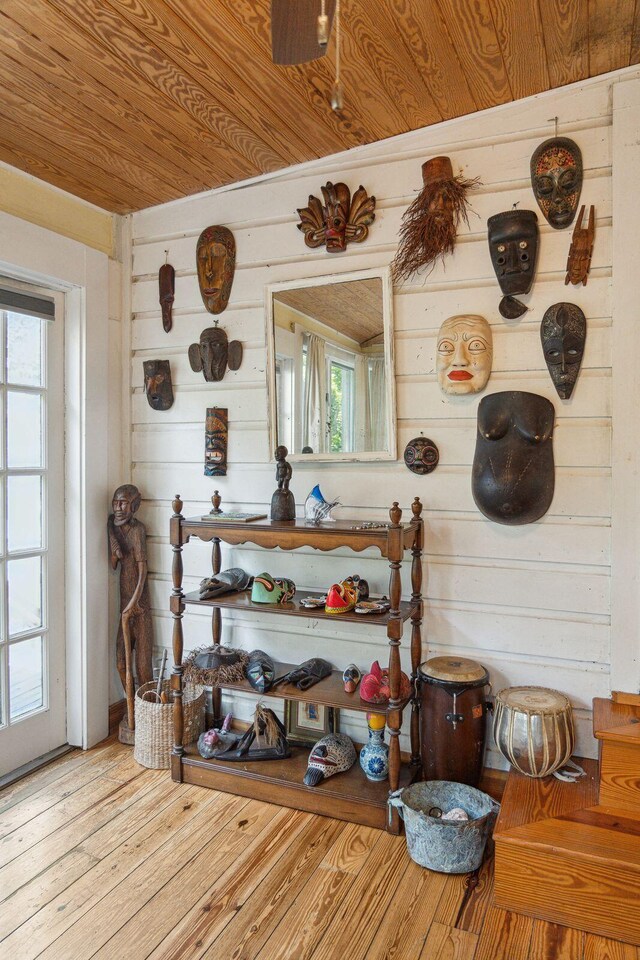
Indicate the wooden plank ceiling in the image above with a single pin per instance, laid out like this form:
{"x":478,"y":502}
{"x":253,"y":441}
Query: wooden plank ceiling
{"x":129,"y":103}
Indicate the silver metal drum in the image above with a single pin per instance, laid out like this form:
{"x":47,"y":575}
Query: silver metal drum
{"x":533,"y":729}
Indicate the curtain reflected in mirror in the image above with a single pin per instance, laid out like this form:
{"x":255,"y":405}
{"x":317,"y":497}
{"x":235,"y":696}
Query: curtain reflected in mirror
{"x":331,"y":390}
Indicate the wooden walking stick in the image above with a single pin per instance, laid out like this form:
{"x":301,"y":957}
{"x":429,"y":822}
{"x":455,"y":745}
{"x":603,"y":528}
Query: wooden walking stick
{"x":128,"y":654}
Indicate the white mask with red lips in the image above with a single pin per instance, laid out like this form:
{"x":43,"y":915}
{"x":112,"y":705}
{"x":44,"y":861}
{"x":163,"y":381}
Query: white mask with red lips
{"x":464,"y":354}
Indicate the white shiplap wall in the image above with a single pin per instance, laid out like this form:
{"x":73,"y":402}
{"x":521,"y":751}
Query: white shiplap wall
{"x":533,"y":602}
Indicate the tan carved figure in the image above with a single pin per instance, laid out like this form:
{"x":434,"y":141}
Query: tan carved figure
{"x":465,"y":354}
{"x":216,"y":260}
{"x":579,"y":259}
{"x":128,"y":547}
{"x":341,"y":220}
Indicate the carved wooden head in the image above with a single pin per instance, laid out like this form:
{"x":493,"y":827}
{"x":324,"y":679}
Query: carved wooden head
{"x":216,"y":260}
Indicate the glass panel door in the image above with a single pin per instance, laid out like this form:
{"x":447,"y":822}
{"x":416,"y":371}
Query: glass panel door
{"x":32,"y":655}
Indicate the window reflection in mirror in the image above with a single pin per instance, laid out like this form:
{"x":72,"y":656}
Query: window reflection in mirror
{"x":330,"y":367}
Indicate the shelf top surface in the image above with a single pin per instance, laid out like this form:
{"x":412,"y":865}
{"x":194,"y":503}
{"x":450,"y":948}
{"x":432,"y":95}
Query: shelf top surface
{"x":243,"y":602}
{"x":297,"y":533}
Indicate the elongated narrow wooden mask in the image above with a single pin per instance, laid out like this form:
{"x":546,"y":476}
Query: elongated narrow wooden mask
{"x":563,"y":333}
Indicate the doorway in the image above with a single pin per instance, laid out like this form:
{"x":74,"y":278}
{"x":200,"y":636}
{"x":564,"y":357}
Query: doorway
{"x":33,"y":718}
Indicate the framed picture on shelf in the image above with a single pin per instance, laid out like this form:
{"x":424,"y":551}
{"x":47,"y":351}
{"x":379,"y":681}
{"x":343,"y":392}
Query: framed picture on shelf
{"x":306,"y":722}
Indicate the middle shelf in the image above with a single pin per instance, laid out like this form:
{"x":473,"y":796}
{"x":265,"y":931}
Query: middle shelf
{"x":243,"y":603}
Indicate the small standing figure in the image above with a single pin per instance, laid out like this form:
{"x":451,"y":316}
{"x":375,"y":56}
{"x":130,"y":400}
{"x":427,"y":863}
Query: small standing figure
{"x":128,"y":547}
{"x":283,"y":504}
{"x":579,"y":260}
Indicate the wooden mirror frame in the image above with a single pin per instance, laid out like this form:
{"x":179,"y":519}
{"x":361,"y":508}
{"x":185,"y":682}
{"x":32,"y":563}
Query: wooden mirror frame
{"x":383,"y":274}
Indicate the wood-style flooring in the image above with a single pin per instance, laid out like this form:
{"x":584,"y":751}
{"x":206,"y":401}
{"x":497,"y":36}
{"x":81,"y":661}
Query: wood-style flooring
{"x":101,"y":858}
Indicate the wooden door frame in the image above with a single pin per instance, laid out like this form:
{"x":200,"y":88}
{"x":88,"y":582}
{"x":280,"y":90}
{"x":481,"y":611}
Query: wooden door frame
{"x":81,"y":273}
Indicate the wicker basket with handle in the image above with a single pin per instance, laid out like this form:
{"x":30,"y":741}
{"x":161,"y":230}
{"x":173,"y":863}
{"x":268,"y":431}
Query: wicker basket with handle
{"x":154,"y":723}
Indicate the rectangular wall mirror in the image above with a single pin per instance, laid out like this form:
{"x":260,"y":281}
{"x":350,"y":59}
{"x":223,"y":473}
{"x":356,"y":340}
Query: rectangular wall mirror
{"x":330,"y":367}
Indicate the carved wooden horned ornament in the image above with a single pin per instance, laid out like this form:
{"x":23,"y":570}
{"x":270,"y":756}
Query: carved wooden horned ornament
{"x":342,"y":218}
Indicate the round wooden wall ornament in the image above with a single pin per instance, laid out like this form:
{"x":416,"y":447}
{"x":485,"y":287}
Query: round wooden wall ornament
{"x":421,"y":455}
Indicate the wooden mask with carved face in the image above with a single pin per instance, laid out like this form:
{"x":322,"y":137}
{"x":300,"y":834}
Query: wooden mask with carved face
{"x":216,"y":260}
{"x":213,"y":353}
{"x":157,"y":384}
{"x":556,"y":178}
{"x":513,"y":247}
{"x":563,"y":333}
{"x":465,"y":353}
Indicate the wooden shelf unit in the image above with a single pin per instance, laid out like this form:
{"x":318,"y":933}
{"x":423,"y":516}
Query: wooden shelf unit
{"x":348,"y":796}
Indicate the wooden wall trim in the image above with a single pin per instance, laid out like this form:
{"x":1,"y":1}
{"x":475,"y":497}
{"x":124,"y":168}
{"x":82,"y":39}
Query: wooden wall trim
{"x":36,"y":202}
{"x":625,"y":453}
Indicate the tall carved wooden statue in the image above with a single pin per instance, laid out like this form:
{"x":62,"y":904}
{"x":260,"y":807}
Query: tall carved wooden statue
{"x":128,"y":547}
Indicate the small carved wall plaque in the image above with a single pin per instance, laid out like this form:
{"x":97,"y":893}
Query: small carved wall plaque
{"x":157,"y":384}
{"x":421,"y":455}
{"x":579,"y":261}
{"x":213,"y":354}
{"x":215,"y":442}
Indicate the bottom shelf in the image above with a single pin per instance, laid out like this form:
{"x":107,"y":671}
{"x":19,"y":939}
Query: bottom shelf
{"x":346,"y":796}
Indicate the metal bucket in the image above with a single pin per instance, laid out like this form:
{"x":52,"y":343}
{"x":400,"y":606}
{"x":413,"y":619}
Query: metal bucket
{"x":444,"y":845}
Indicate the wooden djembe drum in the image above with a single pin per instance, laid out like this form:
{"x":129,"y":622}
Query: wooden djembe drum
{"x":452,"y":719}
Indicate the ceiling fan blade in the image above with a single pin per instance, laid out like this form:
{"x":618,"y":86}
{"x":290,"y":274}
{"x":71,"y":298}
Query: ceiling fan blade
{"x":294,"y":30}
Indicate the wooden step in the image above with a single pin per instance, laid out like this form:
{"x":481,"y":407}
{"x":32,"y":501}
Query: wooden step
{"x":620,"y":767}
{"x":563,"y":857}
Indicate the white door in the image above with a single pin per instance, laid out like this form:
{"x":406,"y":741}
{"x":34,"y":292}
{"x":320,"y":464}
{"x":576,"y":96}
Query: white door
{"x":32,"y":642}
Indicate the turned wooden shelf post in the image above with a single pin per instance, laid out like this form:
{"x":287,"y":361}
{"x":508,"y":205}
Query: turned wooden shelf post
{"x":416,"y":626}
{"x":177,"y":609}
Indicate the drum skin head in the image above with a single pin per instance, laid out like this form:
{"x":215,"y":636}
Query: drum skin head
{"x":533,"y":699}
{"x":458,"y":669}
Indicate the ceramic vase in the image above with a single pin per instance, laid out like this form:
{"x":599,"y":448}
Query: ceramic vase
{"x":374,"y":756}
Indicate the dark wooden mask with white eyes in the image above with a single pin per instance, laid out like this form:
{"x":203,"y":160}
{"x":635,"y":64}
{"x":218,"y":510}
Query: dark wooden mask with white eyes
{"x":513,"y":248}
{"x":513,"y":470}
{"x":563,"y":333}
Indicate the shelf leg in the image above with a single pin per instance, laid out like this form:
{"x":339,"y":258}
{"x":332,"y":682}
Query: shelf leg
{"x":177,"y":610}
{"x":394,"y":633}
{"x":416,"y":626}
{"x":216,"y":631}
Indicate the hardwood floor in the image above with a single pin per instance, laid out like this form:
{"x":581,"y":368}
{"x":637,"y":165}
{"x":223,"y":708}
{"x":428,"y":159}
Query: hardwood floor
{"x":101,"y":858}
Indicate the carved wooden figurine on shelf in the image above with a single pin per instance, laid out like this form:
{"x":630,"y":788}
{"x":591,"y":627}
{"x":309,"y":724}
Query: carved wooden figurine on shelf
{"x":579,"y":260}
{"x":216,"y":260}
{"x":128,"y":547}
{"x":283,"y":504}
{"x":340,"y":221}
{"x":213,"y":354}
{"x":157,"y":384}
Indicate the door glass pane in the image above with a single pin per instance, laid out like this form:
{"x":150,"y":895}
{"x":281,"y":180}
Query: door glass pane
{"x":26,"y":675}
{"x":24,"y":513}
{"x":24,"y":430}
{"x":25,"y":594}
{"x":24,"y":350}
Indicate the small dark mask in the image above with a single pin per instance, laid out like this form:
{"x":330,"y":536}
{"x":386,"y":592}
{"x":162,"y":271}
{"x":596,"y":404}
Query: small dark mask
{"x":261,"y":671}
{"x":513,"y":246}
{"x":213,"y":353}
{"x":556,"y":178}
{"x":513,"y":469}
{"x":157,"y":384}
{"x":563,"y":333}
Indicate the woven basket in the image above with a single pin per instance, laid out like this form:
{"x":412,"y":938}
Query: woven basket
{"x":154,"y":723}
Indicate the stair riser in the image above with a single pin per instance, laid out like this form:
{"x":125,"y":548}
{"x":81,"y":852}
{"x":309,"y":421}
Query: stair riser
{"x":599,"y":897}
{"x":620,"y":775}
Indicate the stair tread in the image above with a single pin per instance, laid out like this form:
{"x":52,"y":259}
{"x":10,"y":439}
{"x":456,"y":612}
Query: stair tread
{"x":597,"y":833}
{"x":627,"y":733}
{"x":528,"y":800}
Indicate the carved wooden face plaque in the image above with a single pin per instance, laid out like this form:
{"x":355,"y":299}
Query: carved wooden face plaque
{"x":556,"y":178}
{"x":513,"y":468}
{"x":157,"y":384}
{"x":513,"y":247}
{"x":216,"y":261}
{"x":215,"y":443}
{"x":563,"y":333}
{"x":214,"y":353}
{"x":464,"y":354}
{"x":421,"y":455}
{"x":342,"y":219}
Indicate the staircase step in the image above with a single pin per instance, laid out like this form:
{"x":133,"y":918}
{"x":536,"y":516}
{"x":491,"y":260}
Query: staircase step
{"x":564,"y":857}
{"x":609,"y":713}
{"x":627,"y":733}
{"x":620,"y":768}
